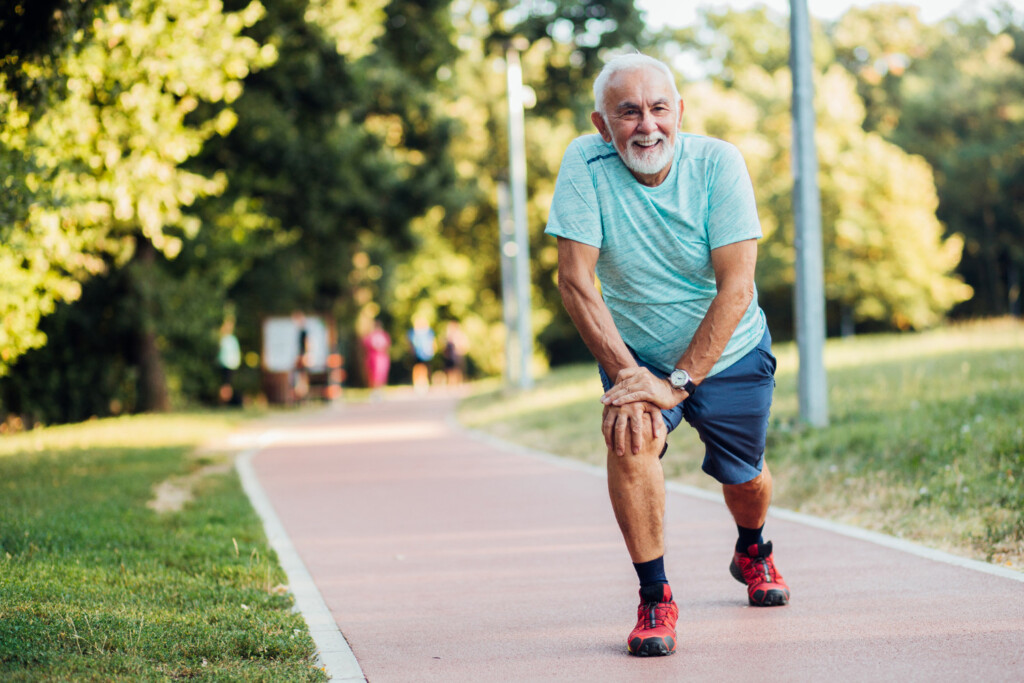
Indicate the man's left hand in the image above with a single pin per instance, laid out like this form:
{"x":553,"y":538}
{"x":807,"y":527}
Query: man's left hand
{"x":639,"y":384}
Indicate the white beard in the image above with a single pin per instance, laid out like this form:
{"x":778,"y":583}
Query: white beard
{"x":649,"y":161}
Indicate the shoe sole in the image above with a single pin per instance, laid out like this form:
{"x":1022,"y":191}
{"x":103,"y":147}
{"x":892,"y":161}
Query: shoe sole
{"x":652,"y":647}
{"x":770,"y":598}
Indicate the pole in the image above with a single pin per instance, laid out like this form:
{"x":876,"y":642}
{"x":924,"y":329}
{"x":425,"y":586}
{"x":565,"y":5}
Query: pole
{"x":809,"y":297}
{"x":507,"y":250}
{"x":517,"y":181}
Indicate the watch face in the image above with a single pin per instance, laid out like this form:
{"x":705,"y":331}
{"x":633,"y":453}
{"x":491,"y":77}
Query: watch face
{"x":679,"y":378}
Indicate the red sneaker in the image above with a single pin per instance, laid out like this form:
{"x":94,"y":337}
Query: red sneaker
{"x":765,"y":585}
{"x":655,"y":632}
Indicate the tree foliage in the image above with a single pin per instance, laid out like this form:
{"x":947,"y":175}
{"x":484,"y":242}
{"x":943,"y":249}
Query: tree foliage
{"x":343,"y":146}
{"x":952,"y":93}
{"x":887,"y":261}
{"x":101,"y":157}
{"x":561,"y":47}
{"x":165,"y":164}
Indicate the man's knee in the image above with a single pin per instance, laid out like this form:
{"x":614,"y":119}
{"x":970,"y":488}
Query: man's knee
{"x":631,"y":464}
{"x":637,"y":429}
{"x":755,"y":486}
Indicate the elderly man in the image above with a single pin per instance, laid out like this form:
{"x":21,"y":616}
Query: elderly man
{"x":667,"y":222}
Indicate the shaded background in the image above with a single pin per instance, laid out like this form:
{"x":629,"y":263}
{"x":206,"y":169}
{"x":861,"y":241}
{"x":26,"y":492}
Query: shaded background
{"x":167,"y":165}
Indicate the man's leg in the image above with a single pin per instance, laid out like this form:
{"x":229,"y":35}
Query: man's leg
{"x":636,"y":486}
{"x":753,"y":563}
{"x":730,"y":412}
{"x":749,"y":502}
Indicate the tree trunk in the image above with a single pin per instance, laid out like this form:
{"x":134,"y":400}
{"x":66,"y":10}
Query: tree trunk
{"x":153,"y":396}
{"x":1013,"y":287}
{"x":847,"y":326}
{"x":997,"y":295}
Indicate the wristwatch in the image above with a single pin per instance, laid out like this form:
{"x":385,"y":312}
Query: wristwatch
{"x":680,"y":379}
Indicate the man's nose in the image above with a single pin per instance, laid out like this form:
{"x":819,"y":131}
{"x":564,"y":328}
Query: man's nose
{"x":647,"y":123}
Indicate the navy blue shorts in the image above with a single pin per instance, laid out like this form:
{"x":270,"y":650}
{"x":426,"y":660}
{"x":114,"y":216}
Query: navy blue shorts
{"x":730,"y":413}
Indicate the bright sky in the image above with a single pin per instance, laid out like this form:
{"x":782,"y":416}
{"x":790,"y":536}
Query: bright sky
{"x":683,"y":12}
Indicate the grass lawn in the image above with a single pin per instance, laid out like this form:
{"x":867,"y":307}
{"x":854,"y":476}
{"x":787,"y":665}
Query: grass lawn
{"x":926,"y":440}
{"x":96,"y":585}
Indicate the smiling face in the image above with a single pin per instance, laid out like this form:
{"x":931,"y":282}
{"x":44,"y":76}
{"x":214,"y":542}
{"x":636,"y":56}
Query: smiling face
{"x":642,"y":116}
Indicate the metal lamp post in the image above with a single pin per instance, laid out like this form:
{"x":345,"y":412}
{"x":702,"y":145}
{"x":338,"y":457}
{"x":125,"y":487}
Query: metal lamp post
{"x":517,"y":251}
{"x":809,"y":298}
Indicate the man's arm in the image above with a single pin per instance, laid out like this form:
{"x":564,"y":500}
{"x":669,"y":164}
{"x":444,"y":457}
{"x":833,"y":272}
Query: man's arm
{"x":734,"y":266}
{"x":576,"y":284}
{"x":734,"y":276}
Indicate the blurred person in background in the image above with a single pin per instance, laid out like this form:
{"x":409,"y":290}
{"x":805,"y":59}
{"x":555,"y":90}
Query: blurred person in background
{"x":377,"y":356}
{"x":229,"y":359}
{"x":423,"y":343}
{"x":456,"y":345}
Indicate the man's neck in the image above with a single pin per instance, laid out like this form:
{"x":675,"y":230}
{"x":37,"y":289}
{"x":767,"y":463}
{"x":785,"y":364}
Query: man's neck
{"x":652,"y":179}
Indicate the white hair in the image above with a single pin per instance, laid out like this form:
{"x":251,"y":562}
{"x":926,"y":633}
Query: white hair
{"x":625,"y":63}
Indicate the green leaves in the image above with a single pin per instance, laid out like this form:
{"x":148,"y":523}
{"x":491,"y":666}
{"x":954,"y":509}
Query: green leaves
{"x":114,"y":146}
{"x":951,"y":93}
{"x":104,"y":160}
{"x":888,"y":260}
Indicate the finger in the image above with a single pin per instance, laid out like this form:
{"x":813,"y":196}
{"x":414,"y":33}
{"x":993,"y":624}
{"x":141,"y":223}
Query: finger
{"x":612,"y":394}
{"x":632,"y":397}
{"x":607,"y":424}
{"x":657,"y":421}
{"x":660,"y":428}
{"x":619,"y":389}
{"x":621,"y":434}
{"x":637,"y":432}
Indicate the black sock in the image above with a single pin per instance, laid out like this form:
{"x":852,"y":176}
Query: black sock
{"x":651,"y":572}
{"x":748,"y":537}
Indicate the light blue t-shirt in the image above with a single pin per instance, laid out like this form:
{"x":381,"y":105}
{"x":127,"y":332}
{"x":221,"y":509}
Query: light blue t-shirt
{"x":229,"y":354}
{"x":655,"y":261}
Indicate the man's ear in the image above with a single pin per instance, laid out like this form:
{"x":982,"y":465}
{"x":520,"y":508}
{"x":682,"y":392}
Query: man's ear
{"x":602,"y":126}
{"x":679,"y":123}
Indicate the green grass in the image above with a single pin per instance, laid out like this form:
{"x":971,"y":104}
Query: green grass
{"x":926,"y":439}
{"x":94,"y":585}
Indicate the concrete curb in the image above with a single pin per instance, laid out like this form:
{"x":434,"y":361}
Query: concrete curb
{"x":779,"y":513}
{"x":333,"y":651}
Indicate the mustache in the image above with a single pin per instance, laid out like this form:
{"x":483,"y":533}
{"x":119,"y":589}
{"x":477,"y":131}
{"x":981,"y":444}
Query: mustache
{"x":648,"y":139}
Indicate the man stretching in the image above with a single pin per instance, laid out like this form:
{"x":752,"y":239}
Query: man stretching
{"x":668,"y":223}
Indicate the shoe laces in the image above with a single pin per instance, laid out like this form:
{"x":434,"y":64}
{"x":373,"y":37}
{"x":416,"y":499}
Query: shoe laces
{"x":654,"y":614}
{"x":761,"y":567}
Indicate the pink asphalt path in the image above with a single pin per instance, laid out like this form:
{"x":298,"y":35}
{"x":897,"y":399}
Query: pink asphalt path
{"x":445,"y":558}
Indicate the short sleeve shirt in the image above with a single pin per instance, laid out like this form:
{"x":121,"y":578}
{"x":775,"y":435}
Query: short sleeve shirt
{"x":655,"y":242}
{"x":229,"y":354}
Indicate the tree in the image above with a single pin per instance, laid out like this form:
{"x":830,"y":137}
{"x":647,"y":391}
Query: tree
{"x":103,"y":152}
{"x":886,"y":260}
{"x":342,"y":144}
{"x":338,"y":146}
{"x":562,"y":45}
{"x":951,"y":94}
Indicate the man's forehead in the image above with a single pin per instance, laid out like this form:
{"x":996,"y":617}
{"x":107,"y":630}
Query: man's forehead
{"x":630,"y":84}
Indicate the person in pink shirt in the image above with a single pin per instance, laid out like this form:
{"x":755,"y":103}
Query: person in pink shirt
{"x":377,"y":347}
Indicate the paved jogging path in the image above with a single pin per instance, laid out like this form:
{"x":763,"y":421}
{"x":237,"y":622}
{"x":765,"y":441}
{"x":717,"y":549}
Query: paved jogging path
{"x":446,"y":558}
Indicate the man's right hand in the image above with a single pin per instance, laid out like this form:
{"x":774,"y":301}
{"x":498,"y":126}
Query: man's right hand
{"x":639,"y":384}
{"x":632,"y":427}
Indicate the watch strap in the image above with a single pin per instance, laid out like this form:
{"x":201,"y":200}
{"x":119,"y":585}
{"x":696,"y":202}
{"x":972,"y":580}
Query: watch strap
{"x":689,"y":387}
